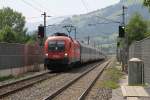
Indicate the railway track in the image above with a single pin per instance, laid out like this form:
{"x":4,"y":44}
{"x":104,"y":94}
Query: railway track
{"x":42,"y":90}
{"x":78,"y":88}
{"x":13,"y":87}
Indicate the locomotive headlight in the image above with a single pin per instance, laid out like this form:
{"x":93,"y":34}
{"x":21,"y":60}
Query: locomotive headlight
{"x":65,"y":54}
{"x":46,"y":55}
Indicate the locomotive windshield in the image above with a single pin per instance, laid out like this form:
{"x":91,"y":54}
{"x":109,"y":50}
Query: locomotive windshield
{"x":56,"y":46}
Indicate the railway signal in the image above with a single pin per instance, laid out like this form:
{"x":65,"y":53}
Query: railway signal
{"x":121,"y":31}
{"x":118,"y":44}
{"x":41,"y":31}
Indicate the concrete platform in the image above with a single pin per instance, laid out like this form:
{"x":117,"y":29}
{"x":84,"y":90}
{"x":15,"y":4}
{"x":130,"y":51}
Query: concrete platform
{"x":118,"y":95}
{"x":134,"y":91}
{"x":132,"y":98}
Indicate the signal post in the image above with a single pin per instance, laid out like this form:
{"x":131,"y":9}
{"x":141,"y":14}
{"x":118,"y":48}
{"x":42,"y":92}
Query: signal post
{"x":42,"y":30}
{"x":122,"y":44}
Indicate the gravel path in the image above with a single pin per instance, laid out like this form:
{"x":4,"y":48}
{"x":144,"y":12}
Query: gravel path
{"x":100,"y":94}
{"x":117,"y":94}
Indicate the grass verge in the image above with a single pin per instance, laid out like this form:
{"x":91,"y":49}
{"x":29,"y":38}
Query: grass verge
{"x":6,"y":78}
{"x":111,"y":77}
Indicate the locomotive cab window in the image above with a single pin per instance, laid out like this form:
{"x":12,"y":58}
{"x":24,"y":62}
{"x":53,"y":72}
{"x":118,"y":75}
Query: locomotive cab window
{"x":56,"y":45}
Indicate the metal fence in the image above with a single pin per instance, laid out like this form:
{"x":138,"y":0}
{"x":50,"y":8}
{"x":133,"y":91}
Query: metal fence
{"x":14,"y":55}
{"x":141,"y":49}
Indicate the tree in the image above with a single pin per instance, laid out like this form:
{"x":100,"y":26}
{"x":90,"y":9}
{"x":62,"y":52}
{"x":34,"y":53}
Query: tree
{"x":136,"y":28}
{"x":12,"y":25}
{"x":31,"y":39}
{"x":13,"y":19}
{"x":147,"y":3}
{"x":7,"y":35}
{"x":147,"y":34}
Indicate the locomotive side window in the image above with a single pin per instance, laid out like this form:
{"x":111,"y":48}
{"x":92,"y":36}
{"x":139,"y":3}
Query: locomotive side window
{"x":56,"y":45}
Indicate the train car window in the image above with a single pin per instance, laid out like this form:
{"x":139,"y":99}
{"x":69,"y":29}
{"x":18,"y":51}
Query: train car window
{"x":56,"y":45}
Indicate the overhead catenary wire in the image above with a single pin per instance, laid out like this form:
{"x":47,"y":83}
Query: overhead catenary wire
{"x":94,"y":35}
{"x":31,"y":5}
{"x":85,"y":6}
{"x":107,"y":19}
{"x":45,"y":8}
{"x":33,"y":17}
{"x":102,"y":23}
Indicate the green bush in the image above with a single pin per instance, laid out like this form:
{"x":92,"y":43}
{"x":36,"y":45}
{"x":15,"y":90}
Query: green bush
{"x":112,"y":76}
{"x":6,"y":78}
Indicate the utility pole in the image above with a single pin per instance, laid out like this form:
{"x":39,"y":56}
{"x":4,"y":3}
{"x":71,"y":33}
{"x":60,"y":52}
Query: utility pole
{"x":44,"y":15}
{"x":94,"y":44}
{"x":124,"y":52}
{"x":88,"y":40}
{"x":123,"y":15}
{"x":75,"y":32}
{"x":75,"y":35}
{"x":69,"y":28}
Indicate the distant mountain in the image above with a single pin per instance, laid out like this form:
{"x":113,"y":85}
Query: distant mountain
{"x":103,"y":32}
{"x":94,"y":23}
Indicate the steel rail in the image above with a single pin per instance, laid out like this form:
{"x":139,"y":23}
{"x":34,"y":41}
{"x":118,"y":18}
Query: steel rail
{"x":24,"y":79}
{"x":58,"y":91}
{"x":84,"y":94}
{"x":18,"y":82}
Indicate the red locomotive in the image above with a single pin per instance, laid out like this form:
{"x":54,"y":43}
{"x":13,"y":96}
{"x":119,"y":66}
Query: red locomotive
{"x":61,"y":51}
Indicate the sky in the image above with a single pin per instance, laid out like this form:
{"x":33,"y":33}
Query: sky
{"x":32,"y":9}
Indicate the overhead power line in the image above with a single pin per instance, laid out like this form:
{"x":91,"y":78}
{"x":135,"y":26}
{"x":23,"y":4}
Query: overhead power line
{"x":93,"y":36}
{"x":29,"y":4}
{"x":102,"y":23}
{"x":114,"y":21}
{"x":33,"y":17}
{"x":84,"y":4}
{"x":45,"y":8}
